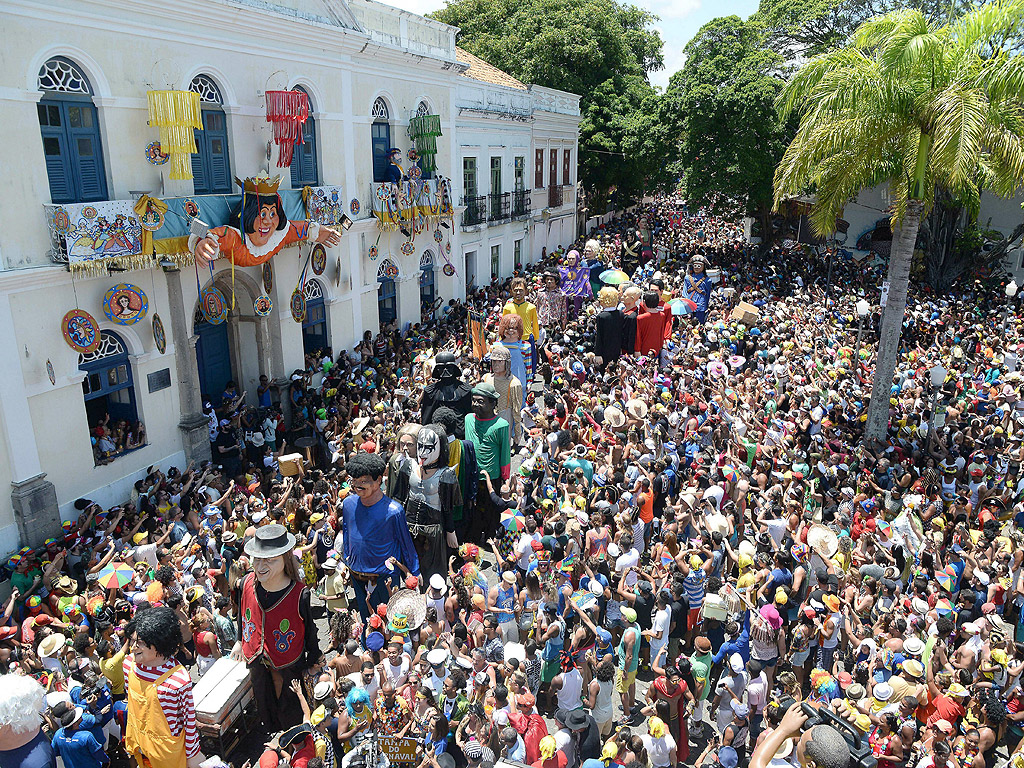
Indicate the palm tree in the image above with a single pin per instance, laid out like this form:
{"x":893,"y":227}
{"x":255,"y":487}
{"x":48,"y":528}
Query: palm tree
{"x":912,"y":104}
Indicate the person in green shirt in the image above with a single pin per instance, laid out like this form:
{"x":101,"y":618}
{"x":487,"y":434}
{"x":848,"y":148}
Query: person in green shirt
{"x":700,"y":668}
{"x":27,"y":578}
{"x":492,"y":439}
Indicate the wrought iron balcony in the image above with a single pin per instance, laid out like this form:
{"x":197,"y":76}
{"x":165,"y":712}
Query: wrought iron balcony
{"x":520,"y":203}
{"x":499,"y":208}
{"x":475,"y":212}
{"x":554,"y":196}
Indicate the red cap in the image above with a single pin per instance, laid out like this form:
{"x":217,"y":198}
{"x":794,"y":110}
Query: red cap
{"x":374,"y":621}
{"x":368,"y":447}
{"x":410,"y":583}
{"x":536,"y":545}
{"x":42,"y":620}
{"x":382,"y":610}
{"x":809,"y":612}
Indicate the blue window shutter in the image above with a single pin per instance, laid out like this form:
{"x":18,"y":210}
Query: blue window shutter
{"x":381,"y":142}
{"x":56,"y":152}
{"x":211,"y":166}
{"x":303,"y":169}
{"x":88,"y":154}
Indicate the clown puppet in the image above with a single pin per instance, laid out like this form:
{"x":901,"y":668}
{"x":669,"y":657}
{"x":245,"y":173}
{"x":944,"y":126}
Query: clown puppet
{"x":575,"y":279}
{"x":510,"y":332}
{"x":258,"y":228}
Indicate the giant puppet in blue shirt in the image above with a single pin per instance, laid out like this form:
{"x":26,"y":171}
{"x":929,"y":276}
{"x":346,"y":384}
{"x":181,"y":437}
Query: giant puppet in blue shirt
{"x":697,"y":287}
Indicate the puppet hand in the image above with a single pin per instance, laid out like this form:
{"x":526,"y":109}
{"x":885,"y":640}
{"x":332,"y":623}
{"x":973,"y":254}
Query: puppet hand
{"x":207,"y":250}
{"x":328,"y":237}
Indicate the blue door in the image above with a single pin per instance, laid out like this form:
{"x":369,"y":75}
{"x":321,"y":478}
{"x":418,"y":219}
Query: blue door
{"x":380,"y":138}
{"x":387,"y":301}
{"x":213,"y":353}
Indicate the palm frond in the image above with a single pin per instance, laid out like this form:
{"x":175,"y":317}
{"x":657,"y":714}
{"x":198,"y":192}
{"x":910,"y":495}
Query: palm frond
{"x":957,"y":118}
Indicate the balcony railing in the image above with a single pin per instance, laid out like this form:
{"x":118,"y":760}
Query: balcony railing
{"x":554,"y":196}
{"x":520,"y":203}
{"x":499,"y":206}
{"x":475,"y":212}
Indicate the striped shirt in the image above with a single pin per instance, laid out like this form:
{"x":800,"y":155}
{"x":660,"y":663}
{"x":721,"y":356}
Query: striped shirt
{"x":175,"y":694}
{"x":693,"y":585}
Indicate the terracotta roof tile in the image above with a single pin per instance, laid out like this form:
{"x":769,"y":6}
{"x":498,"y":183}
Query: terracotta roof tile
{"x":484,"y":72}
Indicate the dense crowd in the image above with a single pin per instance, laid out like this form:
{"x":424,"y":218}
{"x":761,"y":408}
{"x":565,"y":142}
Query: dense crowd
{"x":615,"y":510}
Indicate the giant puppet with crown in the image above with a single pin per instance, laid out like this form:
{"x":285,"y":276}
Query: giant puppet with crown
{"x":258,"y":228}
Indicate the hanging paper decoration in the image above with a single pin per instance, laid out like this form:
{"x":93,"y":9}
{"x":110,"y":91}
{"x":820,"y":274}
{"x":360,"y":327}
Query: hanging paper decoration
{"x":318,"y":259}
{"x":177,"y":115}
{"x":263,"y":306}
{"x":159,"y":335}
{"x":415,"y":172}
{"x":213,"y":305}
{"x":268,"y":278}
{"x":49,"y":373}
{"x":191,"y":208}
{"x":81,"y":331}
{"x":154,"y":155}
{"x":372,"y":253}
{"x":448,"y":269}
{"x":354,"y":207}
{"x":424,"y":130}
{"x":287,"y":110}
{"x":257,"y":246}
{"x":407,"y":247}
{"x":324,"y":205}
{"x":125,"y":304}
{"x":297,"y":304}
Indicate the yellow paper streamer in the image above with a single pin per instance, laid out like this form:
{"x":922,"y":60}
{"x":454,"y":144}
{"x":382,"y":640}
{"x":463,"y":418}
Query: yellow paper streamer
{"x":176,"y":114}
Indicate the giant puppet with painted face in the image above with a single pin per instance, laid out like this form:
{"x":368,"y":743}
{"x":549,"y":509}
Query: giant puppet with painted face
{"x":429,"y":490}
{"x":575,"y":282}
{"x":258,"y":228}
{"x":277,"y":637}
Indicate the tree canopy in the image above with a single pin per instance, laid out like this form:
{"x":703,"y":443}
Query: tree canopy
{"x":732,"y":137}
{"x":600,"y":49}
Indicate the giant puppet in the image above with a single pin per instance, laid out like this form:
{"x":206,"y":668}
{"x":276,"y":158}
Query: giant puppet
{"x":258,"y":228}
{"x":575,"y":282}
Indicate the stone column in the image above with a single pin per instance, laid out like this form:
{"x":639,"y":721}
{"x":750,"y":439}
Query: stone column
{"x":33,"y":497}
{"x":194,"y":425}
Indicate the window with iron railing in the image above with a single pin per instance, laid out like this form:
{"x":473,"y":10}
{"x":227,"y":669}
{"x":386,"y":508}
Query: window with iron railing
{"x":499,"y":206}
{"x":475,"y":212}
{"x":521,"y":203}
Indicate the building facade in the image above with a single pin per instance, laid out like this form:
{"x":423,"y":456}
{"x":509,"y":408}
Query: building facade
{"x":73,"y":97}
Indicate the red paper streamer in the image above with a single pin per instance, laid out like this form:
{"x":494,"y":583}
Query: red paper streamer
{"x":287,"y":110}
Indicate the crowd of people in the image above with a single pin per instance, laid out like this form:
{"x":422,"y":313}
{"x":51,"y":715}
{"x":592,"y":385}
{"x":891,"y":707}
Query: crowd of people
{"x":617,"y":510}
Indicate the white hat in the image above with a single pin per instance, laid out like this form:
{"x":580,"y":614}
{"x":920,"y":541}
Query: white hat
{"x":438,"y":583}
{"x":913,"y":646}
{"x":259,"y":516}
{"x":972,"y":628}
{"x":613,"y":550}
{"x":437,"y":657}
{"x":882,"y":691}
{"x":322,"y":690}
{"x":736,"y":663}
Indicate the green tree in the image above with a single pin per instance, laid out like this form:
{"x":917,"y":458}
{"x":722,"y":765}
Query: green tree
{"x":600,"y":49}
{"x":732,"y":138}
{"x":913,"y":104}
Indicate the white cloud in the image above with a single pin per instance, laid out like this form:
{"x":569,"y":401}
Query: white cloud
{"x":669,"y":9}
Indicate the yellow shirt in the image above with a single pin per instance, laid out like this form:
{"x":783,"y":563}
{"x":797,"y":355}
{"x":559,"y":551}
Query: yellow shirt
{"x":527,"y":311}
{"x":113,"y":670}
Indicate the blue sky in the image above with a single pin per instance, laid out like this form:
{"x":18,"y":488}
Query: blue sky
{"x":679,"y":21}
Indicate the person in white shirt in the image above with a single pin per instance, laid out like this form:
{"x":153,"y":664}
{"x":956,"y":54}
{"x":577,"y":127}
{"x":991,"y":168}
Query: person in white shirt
{"x":660,"y":746}
{"x":658,"y":633}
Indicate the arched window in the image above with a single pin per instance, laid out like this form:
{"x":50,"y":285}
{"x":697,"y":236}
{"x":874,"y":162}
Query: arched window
{"x":380,"y":139}
{"x":211,"y":166}
{"x":422,"y":109}
{"x":427,"y":291}
{"x":110,"y":406}
{"x":304,"y":169}
{"x":314,"y":327}
{"x":70,"y":129}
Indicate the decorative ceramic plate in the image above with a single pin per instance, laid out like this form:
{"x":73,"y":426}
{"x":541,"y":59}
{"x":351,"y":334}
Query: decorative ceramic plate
{"x":125,"y":304}
{"x":81,"y":331}
{"x":318,"y":259}
{"x":159,"y":335}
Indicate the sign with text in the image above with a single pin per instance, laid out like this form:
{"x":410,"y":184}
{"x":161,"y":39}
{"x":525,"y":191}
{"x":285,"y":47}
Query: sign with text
{"x":401,"y":750}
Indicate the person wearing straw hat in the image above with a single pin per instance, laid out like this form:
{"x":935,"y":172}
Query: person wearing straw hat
{"x":275,"y":626}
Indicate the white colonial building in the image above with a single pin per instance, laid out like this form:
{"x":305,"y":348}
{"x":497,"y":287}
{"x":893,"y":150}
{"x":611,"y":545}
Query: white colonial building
{"x":77,"y":157}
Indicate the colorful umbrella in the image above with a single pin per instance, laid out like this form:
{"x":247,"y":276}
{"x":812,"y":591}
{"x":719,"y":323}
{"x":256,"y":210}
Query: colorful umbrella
{"x":614,"y":277}
{"x":512,"y":520}
{"x":730,"y":473}
{"x":115,"y":576}
{"x":944,"y":606}
{"x":682,"y":306}
{"x":946,"y":578}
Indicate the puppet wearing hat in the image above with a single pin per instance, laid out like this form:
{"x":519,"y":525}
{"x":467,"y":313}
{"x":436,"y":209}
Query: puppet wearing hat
{"x":260,"y":228}
{"x":274,"y":613}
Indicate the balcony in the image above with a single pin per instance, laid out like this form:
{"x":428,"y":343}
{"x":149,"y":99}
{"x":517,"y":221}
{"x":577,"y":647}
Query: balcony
{"x":520,"y":203}
{"x":554,"y":196}
{"x":475,"y":210}
{"x":499,"y":206}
